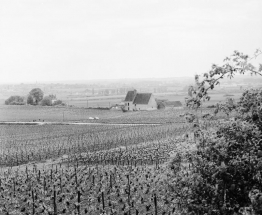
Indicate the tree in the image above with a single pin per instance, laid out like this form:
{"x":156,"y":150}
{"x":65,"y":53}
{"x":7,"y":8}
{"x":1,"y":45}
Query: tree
{"x":15,"y":100}
{"x":223,"y":173}
{"x":236,"y":63}
{"x":37,"y":95}
{"x":30,"y":100}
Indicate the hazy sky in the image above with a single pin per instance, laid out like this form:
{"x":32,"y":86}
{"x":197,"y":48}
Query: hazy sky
{"x":45,"y":40}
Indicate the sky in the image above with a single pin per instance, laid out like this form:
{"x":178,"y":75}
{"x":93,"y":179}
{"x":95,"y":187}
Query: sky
{"x":57,"y":40}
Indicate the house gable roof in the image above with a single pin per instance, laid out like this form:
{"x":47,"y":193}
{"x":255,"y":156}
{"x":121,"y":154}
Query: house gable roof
{"x":142,"y":98}
{"x":130,"y":96}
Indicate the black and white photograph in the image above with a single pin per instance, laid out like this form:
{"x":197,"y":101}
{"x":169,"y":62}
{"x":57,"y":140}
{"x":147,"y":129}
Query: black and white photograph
{"x":131,"y":107}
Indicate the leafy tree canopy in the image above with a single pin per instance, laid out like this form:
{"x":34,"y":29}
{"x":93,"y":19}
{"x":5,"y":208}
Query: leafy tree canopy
{"x":237,"y":63}
{"x":37,"y":95}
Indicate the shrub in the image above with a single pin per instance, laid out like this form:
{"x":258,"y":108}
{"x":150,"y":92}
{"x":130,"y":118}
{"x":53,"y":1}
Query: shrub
{"x":222,"y":171}
{"x":58,"y":102}
{"x":160,"y":105}
{"x":123,"y":109}
{"x":222,"y":175}
{"x":46,"y":101}
{"x":16,"y":103}
{"x":15,"y":100}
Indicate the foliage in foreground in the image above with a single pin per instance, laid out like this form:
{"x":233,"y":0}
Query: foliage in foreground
{"x":219,"y":175}
{"x":223,"y":174}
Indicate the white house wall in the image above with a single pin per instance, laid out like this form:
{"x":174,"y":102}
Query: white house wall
{"x":129,"y":106}
{"x":152,"y":105}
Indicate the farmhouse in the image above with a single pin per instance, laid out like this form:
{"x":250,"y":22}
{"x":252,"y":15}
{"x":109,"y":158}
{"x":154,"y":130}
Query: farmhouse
{"x":139,"y":101}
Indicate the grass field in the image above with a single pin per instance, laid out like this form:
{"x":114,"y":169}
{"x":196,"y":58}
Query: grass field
{"x":66,"y":114}
{"x":30,"y":113}
{"x":94,"y":102}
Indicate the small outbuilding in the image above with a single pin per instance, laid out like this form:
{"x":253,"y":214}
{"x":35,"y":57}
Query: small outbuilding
{"x":173,"y":104}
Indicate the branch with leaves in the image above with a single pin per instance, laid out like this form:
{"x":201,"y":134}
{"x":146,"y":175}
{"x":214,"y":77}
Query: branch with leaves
{"x":237,"y":63}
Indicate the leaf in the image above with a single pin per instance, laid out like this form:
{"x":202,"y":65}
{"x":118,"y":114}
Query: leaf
{"x":223,"y":165}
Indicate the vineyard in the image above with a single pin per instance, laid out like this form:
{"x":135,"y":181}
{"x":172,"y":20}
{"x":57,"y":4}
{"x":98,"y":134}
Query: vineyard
{"x":88,"y":169}
{"x":86,"y":190}
{"x":127,"y":179}
{"x":98,"y":114}
{"x":93,"y":169}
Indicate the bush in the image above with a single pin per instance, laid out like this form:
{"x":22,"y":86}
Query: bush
{"x":15,"y":100}
{"x":123,"y":109}
{"x":222,"y":174}
{"x":46,"y":101}
{"x":58,"y":102}
{"x":160,"y":105}
{"x":222,"y":171}
{"x":16,"y":103}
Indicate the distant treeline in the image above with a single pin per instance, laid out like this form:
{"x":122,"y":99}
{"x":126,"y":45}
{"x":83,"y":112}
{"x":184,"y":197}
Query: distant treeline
{"x":35,"y":97}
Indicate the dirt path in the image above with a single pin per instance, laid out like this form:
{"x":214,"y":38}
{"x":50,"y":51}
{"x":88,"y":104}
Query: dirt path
{"x":74,"y":123}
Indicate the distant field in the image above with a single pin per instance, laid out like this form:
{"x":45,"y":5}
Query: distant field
{"x":30,"y":113}
{"x":107,"y":101}
{"x":215,"y":97}
{"x":94,"y":103}
{"x":52,"y":114}
{"x":80,"y":113}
